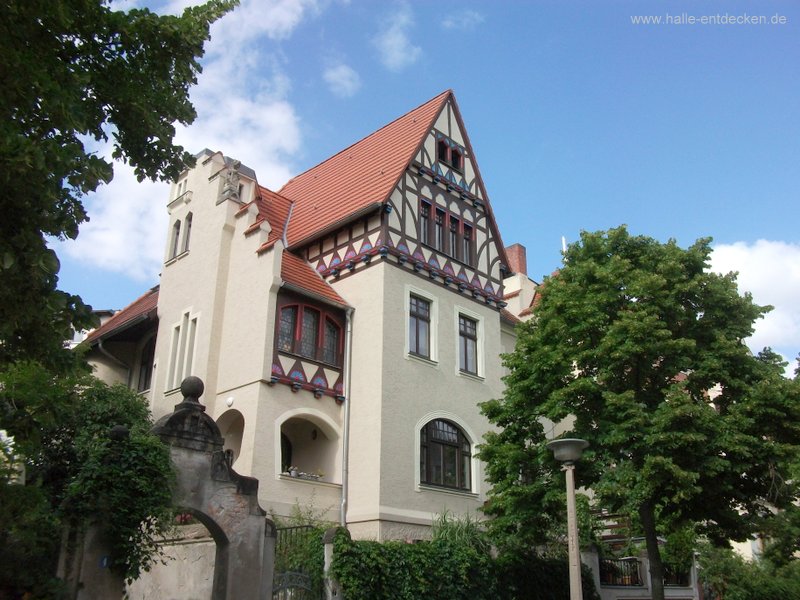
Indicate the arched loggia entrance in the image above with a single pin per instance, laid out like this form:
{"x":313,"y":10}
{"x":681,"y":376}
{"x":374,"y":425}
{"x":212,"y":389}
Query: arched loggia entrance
{"x":224,"y":501}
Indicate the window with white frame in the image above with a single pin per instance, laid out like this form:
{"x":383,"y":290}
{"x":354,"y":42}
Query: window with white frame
{"x":467,"y":345}
{"x":445,"y":455}
{"x":470,"y":340}
{"x":420,"y":324}
{"x":182,"y":349}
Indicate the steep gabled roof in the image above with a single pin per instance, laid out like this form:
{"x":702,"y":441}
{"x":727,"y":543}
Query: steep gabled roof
{"x":358,"y":177}
{"x":140,"y":309}
{"x":299,"y":275}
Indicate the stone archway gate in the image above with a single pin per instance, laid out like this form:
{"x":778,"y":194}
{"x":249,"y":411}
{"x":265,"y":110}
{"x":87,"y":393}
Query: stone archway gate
{"x":224,"y":501}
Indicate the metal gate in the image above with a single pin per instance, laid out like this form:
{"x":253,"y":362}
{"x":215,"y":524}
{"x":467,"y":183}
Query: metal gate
{"x":293,"y":578}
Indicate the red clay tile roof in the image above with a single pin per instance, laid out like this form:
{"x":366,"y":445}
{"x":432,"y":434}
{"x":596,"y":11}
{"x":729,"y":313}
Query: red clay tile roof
{"x":510,"y":295}
{"x":359,"y":176}
{"x":300,"y":275}
{"x":509,"y":316}
{"x":144,"y":306}
{"x":275,"y":209}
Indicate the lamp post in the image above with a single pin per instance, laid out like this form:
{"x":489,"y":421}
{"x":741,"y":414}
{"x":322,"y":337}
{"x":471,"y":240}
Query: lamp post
{"x":568,"y":451}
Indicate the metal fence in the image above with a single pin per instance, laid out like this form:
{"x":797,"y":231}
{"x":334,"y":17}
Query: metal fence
{"x":293,"y":581}
{"x":620,"y":571}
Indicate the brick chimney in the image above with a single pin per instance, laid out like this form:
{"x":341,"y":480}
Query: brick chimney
{"x":517,"y":259}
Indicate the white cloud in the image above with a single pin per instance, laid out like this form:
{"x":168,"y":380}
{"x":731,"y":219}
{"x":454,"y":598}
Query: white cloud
{"x":770,"y":271}
{"x":243,"y":110}
{"x":394,"y":46}
{"x":342,"y":80}
{"x":127,"y":228}
{"x":465,"y":21}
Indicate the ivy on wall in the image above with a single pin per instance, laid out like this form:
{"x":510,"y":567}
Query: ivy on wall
{"x":447,"y":568}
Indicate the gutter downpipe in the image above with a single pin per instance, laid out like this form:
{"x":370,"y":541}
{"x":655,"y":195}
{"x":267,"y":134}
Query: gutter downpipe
{"x":105,"y":352}
{"x":348,"y":352}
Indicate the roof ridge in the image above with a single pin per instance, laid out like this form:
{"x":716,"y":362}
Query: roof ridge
{"x":447,"y":92}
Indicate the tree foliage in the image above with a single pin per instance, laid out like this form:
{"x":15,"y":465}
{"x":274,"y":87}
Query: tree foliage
{"x":78,"y":474}
{"x":73,"y":72}
{"x":643,"y":347}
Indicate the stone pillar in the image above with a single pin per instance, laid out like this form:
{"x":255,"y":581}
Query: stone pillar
{"x":332,"y":589}
{"x":224,"y":501}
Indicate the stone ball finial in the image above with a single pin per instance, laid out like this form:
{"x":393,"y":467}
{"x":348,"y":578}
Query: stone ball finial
{"x":192,"y":388}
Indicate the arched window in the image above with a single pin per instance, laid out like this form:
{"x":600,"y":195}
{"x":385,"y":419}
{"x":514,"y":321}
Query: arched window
{"x":187,"y":232}
{"x":175,"y":240}
{"x":445,"y":457}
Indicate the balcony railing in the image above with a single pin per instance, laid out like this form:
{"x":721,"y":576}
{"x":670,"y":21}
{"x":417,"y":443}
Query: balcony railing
{"x":620,"y":571}
{"x":675,"y":578}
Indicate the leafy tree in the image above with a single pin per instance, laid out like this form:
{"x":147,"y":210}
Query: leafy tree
{"x":79,"y":473}
{"x":642,"y":346}
{"x":73,"y":71}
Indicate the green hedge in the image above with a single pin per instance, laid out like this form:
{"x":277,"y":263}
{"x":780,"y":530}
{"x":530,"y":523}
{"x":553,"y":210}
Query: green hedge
{"x":446,"y":569}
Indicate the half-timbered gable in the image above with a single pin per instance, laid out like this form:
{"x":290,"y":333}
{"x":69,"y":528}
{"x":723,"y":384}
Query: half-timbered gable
{"x":433,"y":218}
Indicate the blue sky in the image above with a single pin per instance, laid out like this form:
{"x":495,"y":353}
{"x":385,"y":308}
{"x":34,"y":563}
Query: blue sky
{"x":580,"y":119}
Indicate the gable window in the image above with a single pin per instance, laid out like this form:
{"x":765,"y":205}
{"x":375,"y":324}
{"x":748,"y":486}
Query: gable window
{"x":453,"y":238}
{"x":449,"y":153}
{"x":419,"y":326}
{"x":442,"y":150}
{"x":309,"y":333}
{"x":466,"y":245}
{"x":455,"y":158}
{"x":175,"y":239}
{"x":424,"y":222}
{"x":467,"y":345}
{"x":438,"y":230}
{"x":445,"y":456}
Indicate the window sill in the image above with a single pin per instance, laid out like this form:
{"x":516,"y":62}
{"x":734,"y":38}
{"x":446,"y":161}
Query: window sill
{"x":473,"y":376}
{"x":421,"y":359}
{"x":305,"y":481}
{"x":308,"y":358}
{"x":427,"y":487}
{"x":176,"y":258}
{"x":454,"y":258}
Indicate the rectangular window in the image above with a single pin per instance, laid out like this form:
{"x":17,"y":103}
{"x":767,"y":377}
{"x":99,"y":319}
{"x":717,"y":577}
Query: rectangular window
{"x":438,"y":230}
{"x":419,"y":323}
{"x":466,"y":245}
{"x":467,"y":345}
{"x":182,"y":351}
{"x":287,"y":327}
{"x":330,"y":344}
{"x":425,"y":223}
{"x":453,"y":239}
{"x":308,"y":334}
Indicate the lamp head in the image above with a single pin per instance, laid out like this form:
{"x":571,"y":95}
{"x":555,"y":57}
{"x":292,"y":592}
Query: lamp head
{"x":567,"y":450}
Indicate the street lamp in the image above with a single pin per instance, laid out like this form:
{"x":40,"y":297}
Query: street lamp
{"x":568,"y":451}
